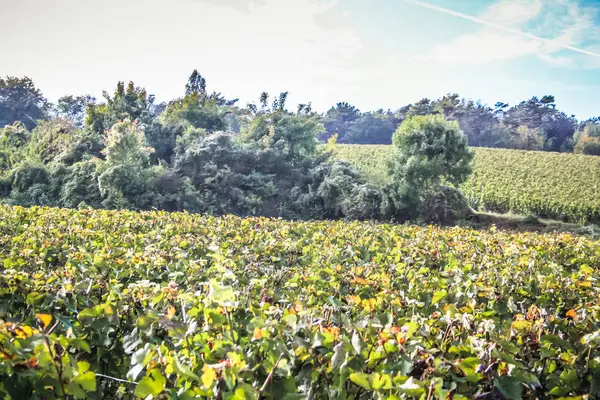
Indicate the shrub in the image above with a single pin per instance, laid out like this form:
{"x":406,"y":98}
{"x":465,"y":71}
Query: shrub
{"x":429,"y":151}
{"x":588,"y":141}
{"x":445,"y":206}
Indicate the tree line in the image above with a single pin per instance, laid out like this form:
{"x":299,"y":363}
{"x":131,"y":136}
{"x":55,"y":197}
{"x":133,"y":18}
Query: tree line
{"x":203,"y":152}
{"x":533,"y":124}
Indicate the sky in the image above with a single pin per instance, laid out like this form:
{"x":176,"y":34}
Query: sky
{"x":373,"y":54}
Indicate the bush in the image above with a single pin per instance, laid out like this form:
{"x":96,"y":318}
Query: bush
{"x":588,"y":141}
{"x":429,"y":151}
{"x":445,"y":206}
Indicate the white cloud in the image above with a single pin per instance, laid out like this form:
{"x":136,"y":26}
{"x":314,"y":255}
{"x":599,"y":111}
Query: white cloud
{"x":483,"y":48}
{"x":513,"y":12}
{"x":560,"y":26}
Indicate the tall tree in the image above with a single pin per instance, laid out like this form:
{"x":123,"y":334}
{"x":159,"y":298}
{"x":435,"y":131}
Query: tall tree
{"x":557,"y":128}
{"x":339,"y":119}
{"x":73,"y":107}
{"x":196,"y":84}
{"x":21,"y":101}
{"x":127,"y":103}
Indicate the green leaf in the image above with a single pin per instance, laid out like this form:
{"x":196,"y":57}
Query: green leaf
{"x":411,"y":388}
{"x":586,"y":269}
{"x":361,"y":379}
{"x":411,"y":328}
{"x":510,"y":387}
{"x":221,"y":294}
{"x":335,"y":302}
{"x":87,"y":381}
{"x":557,"y":341}
{"x":184,"y":370}
{"x":437,"y":296}
{"x":381,"y":381}
{"x":151,"y":384}
{"x":522,"y":325}
{"x":569,"y":376}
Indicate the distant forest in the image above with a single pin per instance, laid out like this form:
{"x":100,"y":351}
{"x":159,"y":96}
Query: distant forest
{"x":533,"y":124}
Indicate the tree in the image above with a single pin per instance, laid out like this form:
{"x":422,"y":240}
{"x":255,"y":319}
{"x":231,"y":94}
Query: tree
{"x":21,"y":101}
{"x":556,"y":127}
{"x":588,"y":140}
{"x":525,"y":138}
{"x":292,"y":135}
{"x":197,"y":111}
{"x":338,"y":120}
{"x":127,"y":103}
{"x":428,"y":151}
{"x":196,"y":84}
{"x":198,"y":108}
{"x":124,"y":178}
{"x":13,"y":141}
{"x":372,"y":128}
{"x":51,"y":139}
{"x":422,"y":107}
{"x":73,"y":107}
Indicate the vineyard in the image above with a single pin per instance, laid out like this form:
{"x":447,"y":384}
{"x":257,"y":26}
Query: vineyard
{"x":551,"y":185}
{"x":105,"y":304}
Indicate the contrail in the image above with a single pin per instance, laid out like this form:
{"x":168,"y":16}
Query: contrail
{"x":501,"y":27}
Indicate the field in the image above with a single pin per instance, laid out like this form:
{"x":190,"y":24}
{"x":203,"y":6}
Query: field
{"x":103,"y":304}
{"x":549,"y":185}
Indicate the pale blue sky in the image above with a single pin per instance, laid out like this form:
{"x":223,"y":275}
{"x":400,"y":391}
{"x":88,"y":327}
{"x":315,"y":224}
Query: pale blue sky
{"x":378,"y":53}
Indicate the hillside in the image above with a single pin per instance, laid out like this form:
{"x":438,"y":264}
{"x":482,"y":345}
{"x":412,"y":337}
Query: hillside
{"x":552,"y":185}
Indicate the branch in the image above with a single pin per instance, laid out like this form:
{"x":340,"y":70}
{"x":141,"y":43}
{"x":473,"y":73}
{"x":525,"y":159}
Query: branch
{"x":269,"y":378}
{"x":115,"y":379}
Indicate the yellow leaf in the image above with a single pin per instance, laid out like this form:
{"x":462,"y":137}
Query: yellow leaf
{"x":45,"y":319}
{"x":170,"y":312}
{"x":257,"y":333}
{"x":208,"y":376}
{"x":572,"y":314}
{"x":360,"y":281}
{"x":23,"y":332}
{"x":522,"y":325}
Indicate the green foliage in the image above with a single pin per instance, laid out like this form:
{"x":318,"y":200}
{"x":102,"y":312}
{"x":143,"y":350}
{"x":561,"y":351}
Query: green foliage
{"x":127,"y":103}
{"x":81,"y":185}
{"x":229,"y":178}
{"x":74,"y":107}
{"x":197,"y":111}
{"x":291,"y":135}
{"x":124,"y":177}
{"x":541,"y":114}
{"x":445,"y":206}
{"x":559,"y":186}
{"x":428,"y":151}
{"x":13,"y":141}
{"x":32,"y":184}
{"x":588,"y":141}
{"x":21,"y":101}
{"x":525,"y":138}
{"x":53,"y":140}
{"x":127,"y":305}
{"x":533,"y":124}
